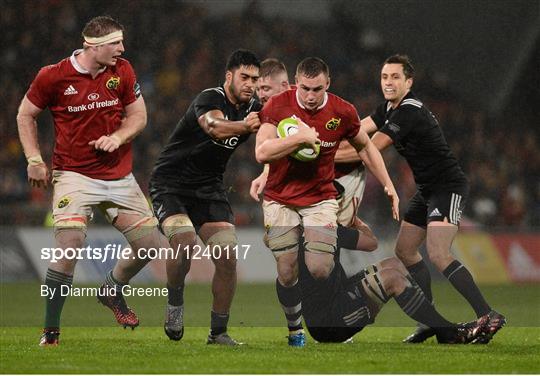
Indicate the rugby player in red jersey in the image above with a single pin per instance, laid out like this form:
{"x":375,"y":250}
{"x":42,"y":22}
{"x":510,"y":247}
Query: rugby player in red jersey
{"x":302,"y":194}
{"x":97,"y":108}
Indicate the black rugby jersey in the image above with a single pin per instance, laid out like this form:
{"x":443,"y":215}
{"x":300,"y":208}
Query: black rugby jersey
{"x":418,"y":137}
{"x":193,"y":163}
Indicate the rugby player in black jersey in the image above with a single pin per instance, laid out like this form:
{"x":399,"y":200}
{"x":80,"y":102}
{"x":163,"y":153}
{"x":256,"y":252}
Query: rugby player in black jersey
{"x":187,"y":191}
{"x":433,"y":214}
{"x":337,"y":308}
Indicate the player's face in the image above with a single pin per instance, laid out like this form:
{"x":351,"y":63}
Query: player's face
{"x":269,"y":86}
{"x":311,"y":90}
{"x":109,"y":53}
{"x":394,"y":84}
{"x":242,"y":82}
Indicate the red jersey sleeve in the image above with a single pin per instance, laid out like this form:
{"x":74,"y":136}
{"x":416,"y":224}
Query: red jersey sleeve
{"x":130,"y":89}
{"x":353,"y":122}
{"x":41,"y":91}
{"x":268,"y":114}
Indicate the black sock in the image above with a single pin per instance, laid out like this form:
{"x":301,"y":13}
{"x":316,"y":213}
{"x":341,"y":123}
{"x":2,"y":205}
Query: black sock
{"x":218,"y":323}
{"x":289,"y":298}
{"x":463,"y":282}
{"x":420,"y":273}
{"x":347,"y":237}
{"x":114,"y":283}
{"x":175,"y":295}
{"x":53,"y":305}
{"x":414,"y":303}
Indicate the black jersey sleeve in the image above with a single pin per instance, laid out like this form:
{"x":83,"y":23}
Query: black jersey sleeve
{"x":378,"y":115}
{"x":208,"y":100}
{"x":400,"y":123}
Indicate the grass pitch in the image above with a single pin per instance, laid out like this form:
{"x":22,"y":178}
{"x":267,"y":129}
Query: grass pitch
{"x":100,"y":347}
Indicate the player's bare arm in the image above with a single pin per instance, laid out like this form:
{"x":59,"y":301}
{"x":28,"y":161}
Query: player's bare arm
{"x":346,"y":153}
{"x":269,"y":147}
{"x":38,"y":173}
{"x":216,"y":126}
{"x":368,"y":125}
{"x":381,"y":140}
{"x":132,"y":125}
{"x":374,"y":162}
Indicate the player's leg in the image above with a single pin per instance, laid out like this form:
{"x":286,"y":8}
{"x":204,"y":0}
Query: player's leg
{"x":411,"y":235}
{"x":71,"y":210}
{"x":176,"y":225}
{"x":126,"y":208}
{"x":386,"y":279}
{"x":353,"y":233}
{"x":441,"y":231}
{"x":221,"y":240}
{"x":320,"y":233}
{"x":282,"y":236}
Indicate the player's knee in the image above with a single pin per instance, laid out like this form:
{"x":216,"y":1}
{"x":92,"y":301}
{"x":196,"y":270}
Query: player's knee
{"x":183,"y":241}
{"x":70,"y":232}
{"x":440,"y":258}
{"x":282,"y":244}
{"x":140,"y":229}
{"x":373,"y":286}
{"x":287,"y":268}
{"x":392,"y":263}
{"x":393,"y":281}
{"x":222,"y":247}
{"x":177,"y":224}
{"x":70,"y":237}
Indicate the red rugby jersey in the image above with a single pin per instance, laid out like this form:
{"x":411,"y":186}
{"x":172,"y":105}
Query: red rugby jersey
{"x":296,"y":183}
{"x":84,"y":109}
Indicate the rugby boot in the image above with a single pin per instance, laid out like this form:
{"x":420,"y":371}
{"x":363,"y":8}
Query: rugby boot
{"x":122,"y":313}
{"x":492,"y":323}
{"x":297,"y":339}
{"x":50,"y":337}
{"x":421,"y":333}
{"x":174,"y":322}
{"x":222,"y":339}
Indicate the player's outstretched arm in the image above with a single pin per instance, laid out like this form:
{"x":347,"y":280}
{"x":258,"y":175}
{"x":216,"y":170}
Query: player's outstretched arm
{"x":132,"y":125}
{"x":216,"y":126}
{"x":368,"y":125}
{"x":270,"y":148}
{"x":374,"y":162}
{"x":38,"y":173}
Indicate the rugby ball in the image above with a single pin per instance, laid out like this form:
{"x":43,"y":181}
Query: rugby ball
{"x":288,"y":127}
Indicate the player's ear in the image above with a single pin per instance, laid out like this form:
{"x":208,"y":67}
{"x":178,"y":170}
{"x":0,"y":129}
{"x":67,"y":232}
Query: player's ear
{"x":327,"y":82}
{"x":409,"y":82}
{"x":228,"y":76}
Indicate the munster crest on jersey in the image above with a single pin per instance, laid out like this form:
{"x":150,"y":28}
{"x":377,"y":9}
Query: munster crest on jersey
{"x":333,"y":124}
{"x":113,"y":83}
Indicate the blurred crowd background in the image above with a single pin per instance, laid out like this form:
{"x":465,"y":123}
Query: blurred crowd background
{"x":180,"y":48}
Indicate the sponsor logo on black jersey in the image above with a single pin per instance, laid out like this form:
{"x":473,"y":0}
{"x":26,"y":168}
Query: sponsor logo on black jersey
{"x":333,"y":124}
{"x":229,"y":143}
{"x":113,"y":83}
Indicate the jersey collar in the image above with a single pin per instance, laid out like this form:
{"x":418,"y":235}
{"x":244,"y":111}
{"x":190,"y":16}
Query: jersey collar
{"x":325,"y":100}
{"x":78,"y":67}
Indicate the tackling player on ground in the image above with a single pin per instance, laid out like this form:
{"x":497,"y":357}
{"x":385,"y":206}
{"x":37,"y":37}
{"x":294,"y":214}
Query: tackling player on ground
{"x":188,"y":195}
{"x":98,"y":110}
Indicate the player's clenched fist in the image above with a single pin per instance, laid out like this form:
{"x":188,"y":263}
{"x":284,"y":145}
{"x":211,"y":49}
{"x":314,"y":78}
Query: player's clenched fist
{"x":106,"y":143}
{"x":308,"y":135}
{"x":253,"y":122}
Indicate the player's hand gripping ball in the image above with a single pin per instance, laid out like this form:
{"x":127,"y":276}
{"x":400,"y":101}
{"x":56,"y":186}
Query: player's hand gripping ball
{"x":288,"y":127}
